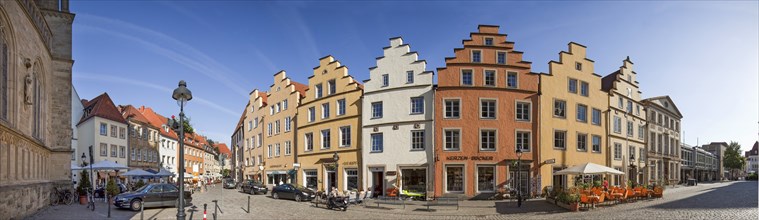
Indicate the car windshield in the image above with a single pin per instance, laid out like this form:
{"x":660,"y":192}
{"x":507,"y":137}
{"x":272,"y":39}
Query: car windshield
{"x":142,"y":189}
{"x":299,"y":187}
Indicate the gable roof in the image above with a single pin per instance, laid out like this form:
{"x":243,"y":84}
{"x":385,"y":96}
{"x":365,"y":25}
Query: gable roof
{"x":607,"y":82}
{"x":158,"y":121}
{"x":130,"y":110}
{"x":301,"y":88}
{"x":754,"y":150}
{"x":668,"y":99}
{"x":242,"y":118}
{"x":101,"y":106}
{"x":223,"y":149}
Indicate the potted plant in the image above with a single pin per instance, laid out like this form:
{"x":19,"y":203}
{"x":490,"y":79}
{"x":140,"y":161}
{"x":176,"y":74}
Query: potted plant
{"x":139,"y":184}
{"x":569,"y":200}
{"x":111,"y":189}
{"x":84,"y":183}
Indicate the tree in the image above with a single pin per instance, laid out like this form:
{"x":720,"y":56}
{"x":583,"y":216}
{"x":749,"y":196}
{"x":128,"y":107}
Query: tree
{"x":733,"y":159}
{"x":84,"y":183}
{"x":187,"y":126}
{"x":225,"y":172}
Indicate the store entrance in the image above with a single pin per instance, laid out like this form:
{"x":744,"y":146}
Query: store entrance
{"x":331,"y":180}
{"x":378,"y":183}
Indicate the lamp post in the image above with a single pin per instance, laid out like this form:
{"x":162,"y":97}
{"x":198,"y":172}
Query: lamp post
{"x":519,"y":177}
{"x":632,"y":167}
{"x":336,"y":158}
{"x":92,"y":180}
{"x":182,"y":95}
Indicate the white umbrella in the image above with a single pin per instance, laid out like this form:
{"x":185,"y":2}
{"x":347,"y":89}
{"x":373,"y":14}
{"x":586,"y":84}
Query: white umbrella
{"x":589,"y":168}
{"x":75,"y":167}
{"x":107,"y":165}
{"x":138,"y":172}
{"x":164,"y":173}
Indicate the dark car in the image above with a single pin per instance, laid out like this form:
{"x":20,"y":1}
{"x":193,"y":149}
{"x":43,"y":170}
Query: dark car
{"x":254,"y":187}
{"x":290,"y":191}
{"x":152,"y":195}
{"x":100,"y":191}
{"x":228,"y":183}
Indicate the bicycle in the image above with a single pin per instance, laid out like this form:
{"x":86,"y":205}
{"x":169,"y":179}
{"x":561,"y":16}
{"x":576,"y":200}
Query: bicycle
{"x":64,"y":196}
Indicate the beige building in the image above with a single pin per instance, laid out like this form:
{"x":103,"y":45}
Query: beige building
{"x":329,"y":124}
{"x":35,"y":103}
{"x":143,"y":140}
{"x":573,"y":127}
{"x":279,"y":142}
{"x":626,"y":144}
{"x":255,"y":117}
{"x":664,"y":161}
{"x":102,"y":126}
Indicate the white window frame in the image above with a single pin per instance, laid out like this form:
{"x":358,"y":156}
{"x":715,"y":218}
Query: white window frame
{"x":385,"y":80}
{"x":461,"y":77}
{"x":485,"y":77}
{"x":471,"y":56}
{"x":412,"y":105}
{"x":564,"y":147}
{"x":381,"y":146}
{"x":322,"y":139}
{"x":377,"y":113}
{"x":516,"y":82}
{"x":325,"y":110}
{"x":344,"y":137}
{"x":445,"y":143}
{"x":585,"y":142}
{"x":495,"y":141}
{"x":529,"y":140}
{"x":529,"y":110}
{"x":340,"y":103}
{"x":495,"y":110}
{"x":415,"y":141}
{"x":505,"y":57}
{"x":308,"y":140}
{"x":445,"y":107}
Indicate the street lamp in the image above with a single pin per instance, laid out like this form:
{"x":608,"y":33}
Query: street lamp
{"x":519,"y":177}
{"x":336,"y":158}
{"x":632,"y":167}
{"x":182,"y":95}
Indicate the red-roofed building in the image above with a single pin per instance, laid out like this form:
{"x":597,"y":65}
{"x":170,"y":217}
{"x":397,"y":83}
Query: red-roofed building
{"x":143,"y":139}
{"x":102,"y":127}
{"x":168,"y":144}
{"x":224,"y":150}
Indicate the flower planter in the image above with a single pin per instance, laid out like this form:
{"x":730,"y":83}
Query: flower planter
{"x":82,"y":199}
{"x":571,"y":207}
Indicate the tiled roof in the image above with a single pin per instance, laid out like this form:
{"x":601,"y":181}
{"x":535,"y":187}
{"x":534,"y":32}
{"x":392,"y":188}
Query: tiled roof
{"x":224,"y":149}
{"x":300,"y":87}
{"x":130,"y":110}
{"x":101,"y":106}
{"x":754,"y":150}
{"x":242,"y":118}
{"x":158,"y":121}
{"x":607,"y":82}
{"x":263,"y":96}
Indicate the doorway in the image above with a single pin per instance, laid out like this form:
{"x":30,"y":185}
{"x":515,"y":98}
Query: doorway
{"x":378,"y":183}
{"x":331,"y":180}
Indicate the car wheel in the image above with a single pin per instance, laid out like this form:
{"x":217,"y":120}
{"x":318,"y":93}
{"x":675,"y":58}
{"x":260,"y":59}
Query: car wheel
{"x":345,"y":208}
{"x":297,"y":198}
{"x":275,"y":195}
{"x":135,"y":205}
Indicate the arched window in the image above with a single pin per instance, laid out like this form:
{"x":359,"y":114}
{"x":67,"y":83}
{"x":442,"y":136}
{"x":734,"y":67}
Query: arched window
{"x":3,"y":76}
{"x":37,"y":116}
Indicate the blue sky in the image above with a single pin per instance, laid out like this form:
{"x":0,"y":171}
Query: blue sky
{"x":705,"y":55}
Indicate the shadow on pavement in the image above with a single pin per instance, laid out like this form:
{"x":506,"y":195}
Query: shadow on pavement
{"x":534,"y":206}
{"x":725,"y":196}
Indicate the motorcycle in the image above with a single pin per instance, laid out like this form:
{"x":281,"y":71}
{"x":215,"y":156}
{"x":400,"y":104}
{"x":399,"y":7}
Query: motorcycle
{"x":338,"y":202}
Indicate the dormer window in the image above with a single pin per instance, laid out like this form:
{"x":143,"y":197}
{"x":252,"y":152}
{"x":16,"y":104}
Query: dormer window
{"x":489,"y":41}
{"x":578,"y":66}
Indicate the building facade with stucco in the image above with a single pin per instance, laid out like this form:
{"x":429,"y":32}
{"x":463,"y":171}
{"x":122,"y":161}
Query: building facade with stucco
{"x":256,"y":117}
{"x":279,"y":144}
{"x":664,"y":157}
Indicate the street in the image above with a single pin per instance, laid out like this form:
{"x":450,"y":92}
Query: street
{"x":730,"y":200}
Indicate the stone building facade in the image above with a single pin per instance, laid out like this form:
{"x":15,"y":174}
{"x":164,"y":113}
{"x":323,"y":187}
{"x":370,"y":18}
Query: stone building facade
{"x":397,"y":122}
{"x":663,"y":148}
{"x":573,"y":128}
{"x":169,"y":144}
{"x":718,"y":149}
{"x":143,"y":140}
{"x":626,"y":144}
{"x":485,"y":107}
{"x":35,"y":103}
{"x":238,"y":147}
{"x":329,"y":123}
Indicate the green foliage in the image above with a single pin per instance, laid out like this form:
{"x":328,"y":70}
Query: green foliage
{"x":139,"y":184}
{"x":225,"y":172}
{"x":732,"y":158}
{"x":84,"y":183}
{"x":597,"y":183}
{"x":752,"y":176}
{"x":568,"y":196}
{"x":188,"y":127}
{"x":111,"y":188}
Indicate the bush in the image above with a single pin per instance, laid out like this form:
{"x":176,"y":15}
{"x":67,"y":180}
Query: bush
{"x":139,"y":184}
{"x":752,"y":176}
{"x":111,"y":188}
{"x":568,"y":196}
{"x":84,"y":183}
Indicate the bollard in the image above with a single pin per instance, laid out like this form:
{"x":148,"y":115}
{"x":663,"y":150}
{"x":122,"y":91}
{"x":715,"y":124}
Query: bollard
{"x":142,"y":208}
{"x":205,"y":206}
{"x":108,"y":200}
{"x":248,"y":204}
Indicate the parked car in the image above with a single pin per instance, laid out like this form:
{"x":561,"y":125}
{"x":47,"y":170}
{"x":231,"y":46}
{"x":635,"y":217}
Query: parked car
{"x":152,"y":195}
{"x":254,"y":187}
{"x":229,"y":183}
{"x":291,"y":191}
{"x":100,"y":191}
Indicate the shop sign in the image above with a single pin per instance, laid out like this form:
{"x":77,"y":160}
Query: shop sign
{"x":350,"y":163}
{"x":390,"y":173}
{"x":469,"y":158}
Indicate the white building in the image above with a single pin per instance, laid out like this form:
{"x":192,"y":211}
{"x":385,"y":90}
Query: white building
{"x":752,"y":159}
{"x":167,"y":148}
{"x":102,"y":127}
{"x":397,"y":122}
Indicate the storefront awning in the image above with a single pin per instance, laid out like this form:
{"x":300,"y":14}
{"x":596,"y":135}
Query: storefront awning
{"x":276,"y":172}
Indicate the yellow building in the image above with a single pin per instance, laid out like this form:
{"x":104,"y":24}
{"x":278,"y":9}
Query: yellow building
{"x":573,"y":128}
{"x":253,"y":154}
{"x":328,"y":125}
{"x":279,"y":130}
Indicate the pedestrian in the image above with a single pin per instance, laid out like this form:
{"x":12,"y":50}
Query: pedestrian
{"x":606,"y":184}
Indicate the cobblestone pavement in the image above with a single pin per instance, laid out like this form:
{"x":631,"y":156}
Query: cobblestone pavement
{"x":731,"y":200}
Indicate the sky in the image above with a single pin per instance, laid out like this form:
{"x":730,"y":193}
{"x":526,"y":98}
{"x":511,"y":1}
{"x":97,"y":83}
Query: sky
{"x":704,"y":55}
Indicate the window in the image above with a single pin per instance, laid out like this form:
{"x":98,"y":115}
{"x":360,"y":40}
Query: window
{"x":642,"y":155}
{"x":582,"y":113}
{"x":617,"y":125}
{"x":311,"y":114}
{"x":486,"y":178}
{"x":417,"y":140}
{"x":417,"y":105}
{"x":559,"y":139}
{"x":582,"y":142}
{"x":345,"y":136}
{"x":376,"y":110}
{"x":629,"y":129}
{"x":318,"y":90}
{"x":340,"y":107}
{"x":278,"y":107}
{"x":476,"y":56}
{"x":103,"y":149}
{"x":596,"y":143}
{"x":331,"y":87}
{"x":103,"y":129}
{"x":578,"y":66}
{"x":596,"y":117}
{"x":260,"y":140}
{"x":559,"y":108}
{"x":325,"y":110}
{"x":523,"y":111}
{"x":269,"y":129}
{"x":385,"y":80}
{"x":276,"y":149}
{"x":452,"y":139}
{"x":452,"y":108}
{"x":309,"y":141}
{"x":287,"y":123}
{"x":122,"y":133}
{"x":621,"y":103}
{"x":523,"y":140}
{"x":511,"y":80}
{"x":631,"y":151}
{"x":637,"y":110}
{"x":487,"y":108}
{"x":3,"y":78}
{"x":573,"y":86}
{"x":489,"y":41}
{"x":489,"y":77}
{"x":134,"y":151}
{"x":454,"y":178}
{"x":311,"y":179}
{"x":487,"y":140}
{"x":641,"y":132}
{"x":114,"y":150}
{"x":584,"y":90}
{"x":466,"y":77}
{"x":501,"y":58}
{"x":377,"y":142}
{"x":409,"y":76}
{"x":325,"y":139}
{"x":629,"y":106}
{"x":114,"y":129}
{"x":122,"y":151}
{"x":268,"y":151}
{"x":277,"y":127}
{"x":351,"y":179}
{"x":255,"y":123}
{"x":617,"y":151}
{"x":284,"y":104}
{"x":271,"y":110}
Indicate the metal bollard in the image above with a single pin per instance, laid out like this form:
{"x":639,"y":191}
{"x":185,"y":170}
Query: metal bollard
{"x":142,"y":208}
{"x":205,"y":206}
{"x":107,"y":200}
{"x":248,"y":204}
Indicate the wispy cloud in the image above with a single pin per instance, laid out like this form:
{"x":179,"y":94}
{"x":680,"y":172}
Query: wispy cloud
{"x":122,"y":80}
{"x":187,"y":55}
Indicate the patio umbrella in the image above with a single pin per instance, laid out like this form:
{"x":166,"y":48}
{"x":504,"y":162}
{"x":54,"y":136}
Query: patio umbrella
{"x":108,"y":165}
{"x":75,"y":167}
{"x":137,"y":172}
{"x":589,"y":168}
{"x":164,"y":173}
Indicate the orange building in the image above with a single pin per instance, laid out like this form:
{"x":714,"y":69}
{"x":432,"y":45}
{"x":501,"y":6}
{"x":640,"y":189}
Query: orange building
{"x":485,"y":106}
{"x":193,"y":156}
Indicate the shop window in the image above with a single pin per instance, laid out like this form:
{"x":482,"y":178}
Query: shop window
{"x":486,"y":178}
{"x":454,"y":178}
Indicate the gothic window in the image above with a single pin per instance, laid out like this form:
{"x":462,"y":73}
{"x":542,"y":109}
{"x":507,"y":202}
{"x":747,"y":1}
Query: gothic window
{"x":3,"y":77}
{"x":37,"y":103}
